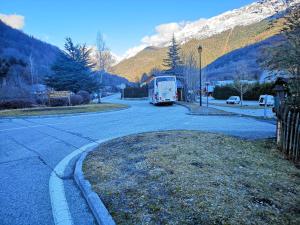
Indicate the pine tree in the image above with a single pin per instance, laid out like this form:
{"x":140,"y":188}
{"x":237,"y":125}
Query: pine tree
{"x":173,"y":61}
{"x":72,"y":70}
{"x":79,"y":53}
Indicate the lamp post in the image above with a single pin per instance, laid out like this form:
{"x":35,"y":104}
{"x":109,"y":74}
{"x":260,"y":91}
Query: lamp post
{"x":200,"y":73}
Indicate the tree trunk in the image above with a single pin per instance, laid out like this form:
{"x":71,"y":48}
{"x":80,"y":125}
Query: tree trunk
{"x":99,"y":96}
{"x":241,"y":95}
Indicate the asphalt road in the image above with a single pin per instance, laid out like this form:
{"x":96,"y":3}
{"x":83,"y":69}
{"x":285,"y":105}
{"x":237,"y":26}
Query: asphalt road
{"x":31,"y":147}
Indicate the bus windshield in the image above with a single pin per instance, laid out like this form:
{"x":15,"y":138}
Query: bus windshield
{"x":161,"y":79}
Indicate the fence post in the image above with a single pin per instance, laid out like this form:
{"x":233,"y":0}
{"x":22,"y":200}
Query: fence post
{"x":284,"y":123}
{"x":287,"y":138}
{"x":297,"y":137}
{"x":292,"y":134}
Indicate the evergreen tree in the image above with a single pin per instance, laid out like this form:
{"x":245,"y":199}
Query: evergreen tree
{"x":144,"y":78}
{"x":72,"y":70}
{"x":173,"y":61}
{"x":79,"y":53}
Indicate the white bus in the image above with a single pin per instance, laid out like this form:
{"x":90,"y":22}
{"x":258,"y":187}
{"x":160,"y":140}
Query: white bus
{"x":162,"y":89}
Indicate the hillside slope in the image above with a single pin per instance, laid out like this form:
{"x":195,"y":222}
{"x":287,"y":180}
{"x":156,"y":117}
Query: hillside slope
{"x":227,"y":66}
{"x":20,"y":45}
{"x":213,"y":48}
{"x":39,"y":54}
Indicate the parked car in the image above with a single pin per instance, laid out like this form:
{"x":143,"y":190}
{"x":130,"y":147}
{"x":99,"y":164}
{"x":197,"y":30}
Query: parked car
{"x":233,"y":100}
{"x":266,"y":99}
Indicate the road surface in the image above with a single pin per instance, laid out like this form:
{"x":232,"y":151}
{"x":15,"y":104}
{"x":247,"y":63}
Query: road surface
{"x":31,"y":147}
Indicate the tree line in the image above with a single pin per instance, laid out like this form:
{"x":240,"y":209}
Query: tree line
{"x":76,"y":70}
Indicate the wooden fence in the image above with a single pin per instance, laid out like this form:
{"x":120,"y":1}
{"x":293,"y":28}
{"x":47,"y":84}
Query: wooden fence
{"x":288,"y":131}
{"x":135,"y":92}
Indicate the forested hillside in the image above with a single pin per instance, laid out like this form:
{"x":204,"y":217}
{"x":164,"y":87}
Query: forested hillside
{"x":246,"y":59}
{"x":29,"y":49}
{"x":26,"y":61}
{"x":213,"y":48}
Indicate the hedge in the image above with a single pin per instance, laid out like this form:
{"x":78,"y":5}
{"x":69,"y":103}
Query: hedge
{"x":135,"y":92}
{"x":224,"y":92}
{"x":15,"y":104}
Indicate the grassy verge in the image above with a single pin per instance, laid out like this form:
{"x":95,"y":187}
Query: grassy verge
{"x":186,"y":177}
{"x":239,"y":106}
{"x":39,"y":111}
{"x":197,"y":110}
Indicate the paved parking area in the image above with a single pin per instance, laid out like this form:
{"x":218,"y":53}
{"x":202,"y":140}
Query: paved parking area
{"x":31,"y":147}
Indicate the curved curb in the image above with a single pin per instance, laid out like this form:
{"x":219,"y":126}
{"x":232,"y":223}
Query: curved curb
{"x":205,"y":114}
{"x":60,"y":209}
{"x":98,"y":208}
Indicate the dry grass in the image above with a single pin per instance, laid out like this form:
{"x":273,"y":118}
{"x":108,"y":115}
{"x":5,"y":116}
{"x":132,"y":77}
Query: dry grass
{"x":194,"y":108}
{"x":189,"y":177}
{"x":40,"y":111}
{"x":245,"y":106}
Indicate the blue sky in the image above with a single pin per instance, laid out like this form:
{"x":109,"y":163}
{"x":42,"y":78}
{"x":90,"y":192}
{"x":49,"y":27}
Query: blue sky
{"x":123,"y":22}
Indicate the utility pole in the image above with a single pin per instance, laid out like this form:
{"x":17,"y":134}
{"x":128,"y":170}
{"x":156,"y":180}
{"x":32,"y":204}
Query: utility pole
{"x":200,"y":72}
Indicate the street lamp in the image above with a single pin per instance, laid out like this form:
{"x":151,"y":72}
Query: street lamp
{"x":200,"y":73}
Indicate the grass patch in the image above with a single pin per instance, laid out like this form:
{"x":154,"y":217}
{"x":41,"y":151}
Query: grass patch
{"x":194,"y":108}
{"x":40,"y":111}
{"x":189,"y":177}
{"x":239,"y":106}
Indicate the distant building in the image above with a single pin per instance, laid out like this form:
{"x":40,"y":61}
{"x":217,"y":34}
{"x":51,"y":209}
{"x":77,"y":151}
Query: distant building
{"x":223,"y":82}
{"x":229,"y":82}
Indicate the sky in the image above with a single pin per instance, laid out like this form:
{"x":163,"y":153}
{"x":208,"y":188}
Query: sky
{"x":123,"y":23}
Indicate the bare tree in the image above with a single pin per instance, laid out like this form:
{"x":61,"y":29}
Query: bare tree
{"x":104,"y":60}
{"x":190,"y":76}
{"x":32,"y":70}
{"x":241,"y":84}
{"x":104,"y":57}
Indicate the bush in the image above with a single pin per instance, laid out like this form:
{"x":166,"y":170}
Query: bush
{"x":15,"y":104}
{"x":59,"y":101}
{"x":85,"y":96}
{"x":76,"y":100}
{"x":224,"y":92}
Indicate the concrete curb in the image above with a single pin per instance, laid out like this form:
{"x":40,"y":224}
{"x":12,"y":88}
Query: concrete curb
{"x":98,"y":208}
{"x":205,"y":114}
{"x":133,"y":99}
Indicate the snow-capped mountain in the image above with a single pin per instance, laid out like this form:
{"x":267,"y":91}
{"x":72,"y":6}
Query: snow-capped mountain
{"x":203,"y":28}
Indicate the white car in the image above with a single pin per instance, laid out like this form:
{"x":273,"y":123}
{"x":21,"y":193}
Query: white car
{"x":233,"y":100}
{"x":266,"y":99}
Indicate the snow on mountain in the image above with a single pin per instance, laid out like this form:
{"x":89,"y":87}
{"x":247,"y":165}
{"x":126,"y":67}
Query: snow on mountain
{"x":204,"y":28}
{"x":93,"y":54}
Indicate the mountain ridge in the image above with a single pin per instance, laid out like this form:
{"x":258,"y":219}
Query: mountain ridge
{"x":230,"y":22}
{"x":213,"y":48}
